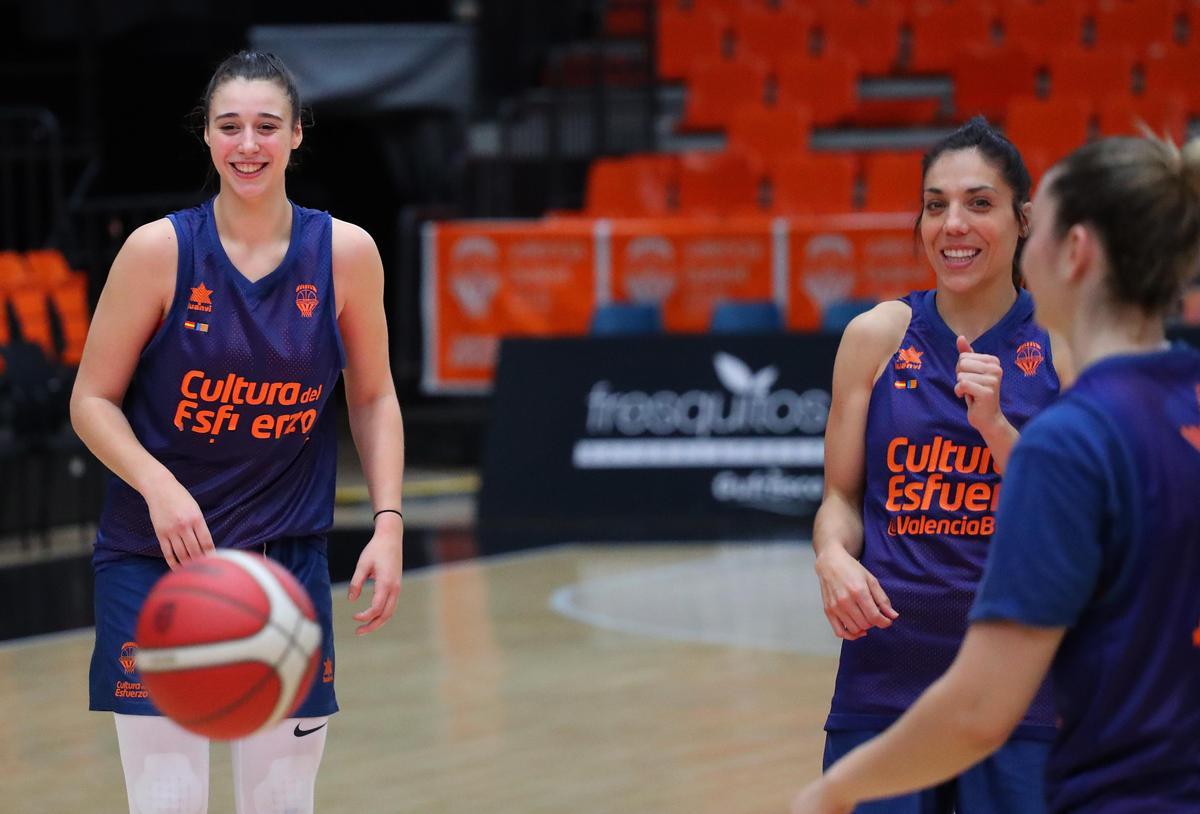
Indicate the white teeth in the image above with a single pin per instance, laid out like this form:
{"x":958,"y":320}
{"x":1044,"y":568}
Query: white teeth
{"x":960,"y":254}
{"x":249,"y":169}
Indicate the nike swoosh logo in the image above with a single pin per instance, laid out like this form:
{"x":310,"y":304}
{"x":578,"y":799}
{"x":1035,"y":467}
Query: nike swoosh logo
{"x":300,"y":733}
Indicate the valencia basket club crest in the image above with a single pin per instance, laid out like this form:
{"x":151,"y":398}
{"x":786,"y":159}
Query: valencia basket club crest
{"x":1029,"y":358}
{"x":306,"y":299}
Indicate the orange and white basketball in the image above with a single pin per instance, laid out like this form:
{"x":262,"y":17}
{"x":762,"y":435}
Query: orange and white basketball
{"x":228,"y":644}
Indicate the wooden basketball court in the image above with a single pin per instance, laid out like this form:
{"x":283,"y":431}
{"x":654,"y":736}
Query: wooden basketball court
{"x":630,"y":678}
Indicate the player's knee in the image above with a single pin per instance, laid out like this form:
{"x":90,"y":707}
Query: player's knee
{"x":288,"y":786}
{"x":169,"y":784}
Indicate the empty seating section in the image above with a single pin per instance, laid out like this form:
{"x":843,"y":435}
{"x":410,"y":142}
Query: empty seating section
{"x":635,"y":186}
{"x":37,"y":289}
{"x":1163,"y":113}
{"x":893,"y":181}
{"x":810,"y":184}
{"x":722,"y":183}
{"x":1043,"y":27}
{"x":715,"y":88}
{"x":868,"y":29}
{"x":773,"y":32}
{"x":987,"y":77}
{"x":779,"y":78}
{"x":942,"y":30}
{"x":769,"y":133}
{"x":1045,"y":130}
{"x":826,"y":85}
{"x":1095,"y":74}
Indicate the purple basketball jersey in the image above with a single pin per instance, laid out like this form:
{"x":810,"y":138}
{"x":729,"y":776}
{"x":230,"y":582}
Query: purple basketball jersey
{"x":232,"y":392}
{"x":928,"y":509}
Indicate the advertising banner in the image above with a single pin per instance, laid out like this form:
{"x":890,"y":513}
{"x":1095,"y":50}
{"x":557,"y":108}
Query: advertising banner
{"x":677,"y":437}
{"x":688,"y":265}
{"x":488,"y":280}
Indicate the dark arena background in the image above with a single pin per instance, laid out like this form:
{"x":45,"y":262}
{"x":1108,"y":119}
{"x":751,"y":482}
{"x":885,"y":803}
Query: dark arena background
{"x":621,"y":241}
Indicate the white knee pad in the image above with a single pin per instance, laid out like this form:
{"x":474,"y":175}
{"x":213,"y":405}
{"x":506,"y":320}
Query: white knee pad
{"x":166,"y":767}
{"x":275,"y":772}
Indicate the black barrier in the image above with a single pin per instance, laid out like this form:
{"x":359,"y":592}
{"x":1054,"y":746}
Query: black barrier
{"x":669,"y":437}
{"x":675,"y":437}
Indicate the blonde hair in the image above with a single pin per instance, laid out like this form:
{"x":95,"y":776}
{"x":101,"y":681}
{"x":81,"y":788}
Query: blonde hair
{"x":1142,"y":198}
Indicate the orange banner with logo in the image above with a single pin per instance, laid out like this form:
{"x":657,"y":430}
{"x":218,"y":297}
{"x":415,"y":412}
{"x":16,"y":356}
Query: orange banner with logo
{"x":688,"y":265}
{"x":484,"y":280}
{"x":847,"y":257}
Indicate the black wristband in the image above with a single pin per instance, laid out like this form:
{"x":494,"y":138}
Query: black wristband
{"x":383,"y":511}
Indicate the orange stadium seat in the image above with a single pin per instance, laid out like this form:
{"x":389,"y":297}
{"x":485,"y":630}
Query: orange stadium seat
{"x":826,"y":85}
{"x":1135,"y":23}
{"x":772,"y":33}
{"x":893,"y":181}
{"x":14,"y":272}
{"x":685,"y":37}
{"x":49,"y":266}
{"x":1095,"y":74}
{"x":1175,"y":69}
{"x":635,"y":186}
{"x":33,"y":318}
{"x":868,"y":29}
{"x":1045,"y":130}
{"x":718,"y":184}
{"x":1043,"y":27}
{"x":769,"y":133}
{"x":1163,"y":113}
{"x":814,"y":183}
{"x":715,"y":88}
{"x":942,"y":30}
{"x":985,"y":78}
{"x":70,"y":300}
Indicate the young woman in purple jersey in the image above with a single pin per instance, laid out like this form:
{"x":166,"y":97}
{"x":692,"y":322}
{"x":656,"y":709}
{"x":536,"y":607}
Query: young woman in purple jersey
{"x":928,"y":394}
{"x":1095,"y":563}
{"x":215,"y":346}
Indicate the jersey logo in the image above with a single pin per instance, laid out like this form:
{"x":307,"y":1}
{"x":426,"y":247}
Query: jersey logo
{"x":306,"y":299}
{"x":905,"y":384}
{"x":327,"y":677}
{"x":909,"y":358}
{"x":201,"y":299}
{"x":1029,"y":358}
{"x":202,"y":327}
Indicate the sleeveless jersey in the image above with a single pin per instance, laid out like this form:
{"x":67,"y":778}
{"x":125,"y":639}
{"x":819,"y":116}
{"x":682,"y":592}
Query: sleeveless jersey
{"x":928,"y":509}
{"x":1111,"y":550}
{"x":232,"y":393}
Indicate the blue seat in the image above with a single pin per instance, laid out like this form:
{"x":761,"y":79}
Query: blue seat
{"x":626,"y":319}
{"x":747,"y":317}
{"x":837,"y":315}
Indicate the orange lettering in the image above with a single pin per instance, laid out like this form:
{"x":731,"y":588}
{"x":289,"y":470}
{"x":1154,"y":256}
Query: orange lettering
{"x":186,"y":383}
{"x":184,"y":411}
{"x":977,"y":497}
{"x":892,"y":461}
{"x":261,"y":428}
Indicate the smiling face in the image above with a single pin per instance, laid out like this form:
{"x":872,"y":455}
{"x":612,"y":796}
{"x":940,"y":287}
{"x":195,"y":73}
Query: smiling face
{"x":251,"y":133}
{"x":968,"y":225}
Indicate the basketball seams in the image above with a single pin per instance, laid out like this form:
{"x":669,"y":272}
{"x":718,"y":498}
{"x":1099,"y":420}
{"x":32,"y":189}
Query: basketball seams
{"x":285,"y":644}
